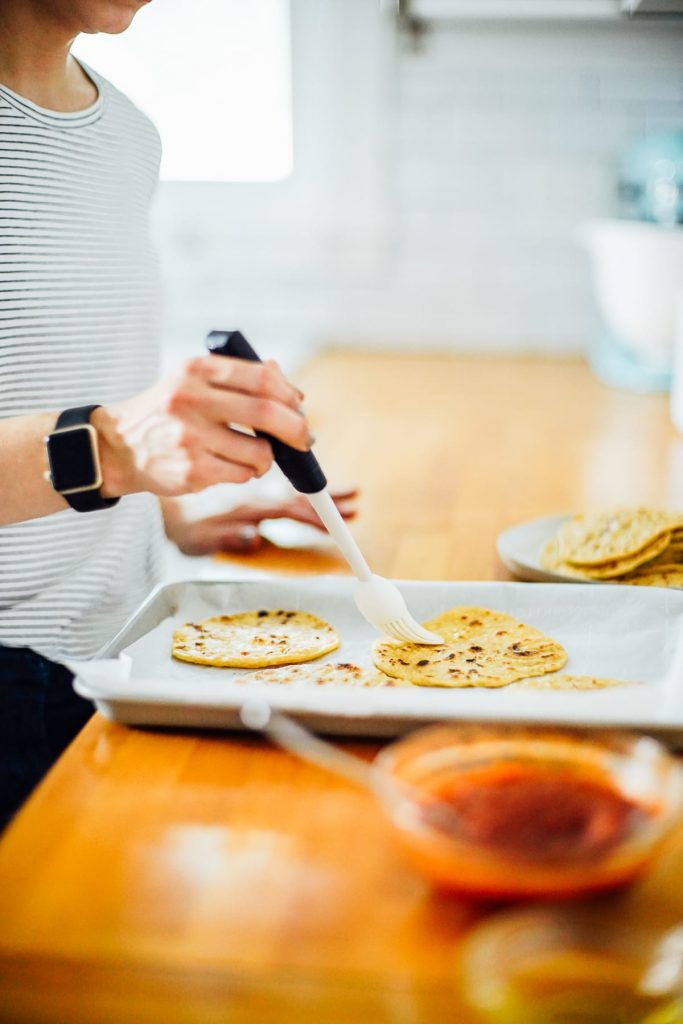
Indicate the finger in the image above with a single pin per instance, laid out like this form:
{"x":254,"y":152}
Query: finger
{"x":208,"y":469}
{"x":251,"y":378}
{"x":346,"y":505}
{"x":254,"y":512}
{"x":276,"y":365}
{"x":343,"y":495}
{"x":300,"y":394}
{"x":346,"y":516}
{"x":268,"y":415}
{"x":348,"y":511}
{"x":311,"y":518}
{"x":234,"y":446}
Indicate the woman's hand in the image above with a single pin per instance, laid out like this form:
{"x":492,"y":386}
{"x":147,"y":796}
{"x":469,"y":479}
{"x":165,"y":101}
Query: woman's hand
{"x":179,"y":436}
{"x":237,"y":530}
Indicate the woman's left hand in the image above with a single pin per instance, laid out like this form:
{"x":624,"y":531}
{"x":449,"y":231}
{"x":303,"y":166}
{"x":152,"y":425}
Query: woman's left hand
{"x":237,"y":530}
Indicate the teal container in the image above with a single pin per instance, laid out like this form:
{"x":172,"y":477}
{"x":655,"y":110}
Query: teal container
{"x":651,"y":179}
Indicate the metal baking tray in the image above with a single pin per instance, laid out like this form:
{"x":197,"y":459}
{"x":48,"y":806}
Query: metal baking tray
{"x":622,"y":632}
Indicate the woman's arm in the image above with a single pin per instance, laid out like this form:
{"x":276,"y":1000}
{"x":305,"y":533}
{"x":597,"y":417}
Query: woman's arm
{"x":175,"y":438}
{"x":24,"y":491}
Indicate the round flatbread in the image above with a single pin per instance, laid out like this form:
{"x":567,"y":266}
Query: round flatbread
{"x":551,"y":558}
{"x":599,"y":537}
{"x":481,"y":648}
{"x":566,"y":681}
{"x":255,"y":639}
{"x":327,"y":674}
{"x":676,"y":524}
{"x":671,"y":555}
{"x":657,"y":576}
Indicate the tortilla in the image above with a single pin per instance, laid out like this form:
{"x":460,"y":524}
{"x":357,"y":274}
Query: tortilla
{"x":657,"y":576}
{"x":676,"y":524}
{"x":601,"y":537}
{"x":327,"y":674}
{"x":255,"y":639}
{"x":566,"y":681}
{"x":482,"y":648}
{"x":551,"y":558}
{"x":669,"y":556}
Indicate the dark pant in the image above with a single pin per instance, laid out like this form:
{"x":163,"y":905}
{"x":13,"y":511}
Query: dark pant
{"x":40,"y":713}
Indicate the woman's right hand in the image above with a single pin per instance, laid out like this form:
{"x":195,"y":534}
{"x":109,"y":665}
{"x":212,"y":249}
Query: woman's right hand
{"x":178,"y":437}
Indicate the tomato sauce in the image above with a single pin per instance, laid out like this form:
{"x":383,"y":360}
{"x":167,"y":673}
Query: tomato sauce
{"x":533,"y":811}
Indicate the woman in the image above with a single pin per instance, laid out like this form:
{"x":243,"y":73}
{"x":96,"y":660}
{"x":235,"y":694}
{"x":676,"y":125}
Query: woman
{"x":79,"y":326}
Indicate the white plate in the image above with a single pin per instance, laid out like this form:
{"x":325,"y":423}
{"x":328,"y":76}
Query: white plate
{"x":627,"y":633}
{"x":519,"y":548}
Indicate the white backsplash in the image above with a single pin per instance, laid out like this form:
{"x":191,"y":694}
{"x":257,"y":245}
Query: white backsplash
{"x":480,"y":155}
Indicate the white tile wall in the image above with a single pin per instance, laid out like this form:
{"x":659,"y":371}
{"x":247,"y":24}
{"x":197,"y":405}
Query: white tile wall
{"x":488,"y":147}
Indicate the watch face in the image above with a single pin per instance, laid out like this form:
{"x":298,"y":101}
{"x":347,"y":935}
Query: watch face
{"x":73,"y":464}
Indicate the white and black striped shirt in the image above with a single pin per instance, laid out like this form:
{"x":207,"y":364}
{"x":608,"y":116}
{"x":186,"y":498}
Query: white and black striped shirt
{"x":79,"y":325}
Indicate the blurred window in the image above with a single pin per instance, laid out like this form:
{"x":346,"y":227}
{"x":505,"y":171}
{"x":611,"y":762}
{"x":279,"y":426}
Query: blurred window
{"x":215,"y":77}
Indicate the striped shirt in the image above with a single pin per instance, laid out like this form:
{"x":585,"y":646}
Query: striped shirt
{"x":79,"y":325}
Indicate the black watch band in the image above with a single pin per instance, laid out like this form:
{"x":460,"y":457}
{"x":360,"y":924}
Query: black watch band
{"x":89,"y":500}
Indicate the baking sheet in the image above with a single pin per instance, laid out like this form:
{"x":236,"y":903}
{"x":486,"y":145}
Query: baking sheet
{"x":628,"y":633}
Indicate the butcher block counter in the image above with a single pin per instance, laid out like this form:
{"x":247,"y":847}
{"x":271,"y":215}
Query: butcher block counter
{"x":174,"y":878}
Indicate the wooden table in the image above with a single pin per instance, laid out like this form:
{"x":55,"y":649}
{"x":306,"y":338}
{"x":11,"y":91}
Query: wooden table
{"x":186,"y":878}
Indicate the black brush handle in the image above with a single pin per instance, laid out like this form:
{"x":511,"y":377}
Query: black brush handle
{"x":301,"y":468}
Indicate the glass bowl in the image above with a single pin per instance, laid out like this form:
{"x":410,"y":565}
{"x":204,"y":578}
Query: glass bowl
{"x":554,"y":965}
{"x":510,"y":813}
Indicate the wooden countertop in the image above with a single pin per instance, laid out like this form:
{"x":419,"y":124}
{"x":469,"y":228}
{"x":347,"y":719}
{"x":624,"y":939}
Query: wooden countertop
{"x":185,"y":878}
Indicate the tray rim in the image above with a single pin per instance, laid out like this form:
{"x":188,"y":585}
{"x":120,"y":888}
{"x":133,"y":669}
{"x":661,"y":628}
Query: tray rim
{"x":377,"y":720}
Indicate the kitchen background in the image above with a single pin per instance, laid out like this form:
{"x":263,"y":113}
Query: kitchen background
{"x":437,"y":184}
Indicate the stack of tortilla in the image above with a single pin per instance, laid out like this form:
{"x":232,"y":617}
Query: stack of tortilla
{"x":641,"y":546}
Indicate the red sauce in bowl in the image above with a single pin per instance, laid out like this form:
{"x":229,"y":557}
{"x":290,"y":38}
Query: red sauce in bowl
{"x":500,"y":813}
{"x":533,"y":811}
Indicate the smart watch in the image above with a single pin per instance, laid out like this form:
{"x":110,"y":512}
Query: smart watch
{"x":74,"y":460}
